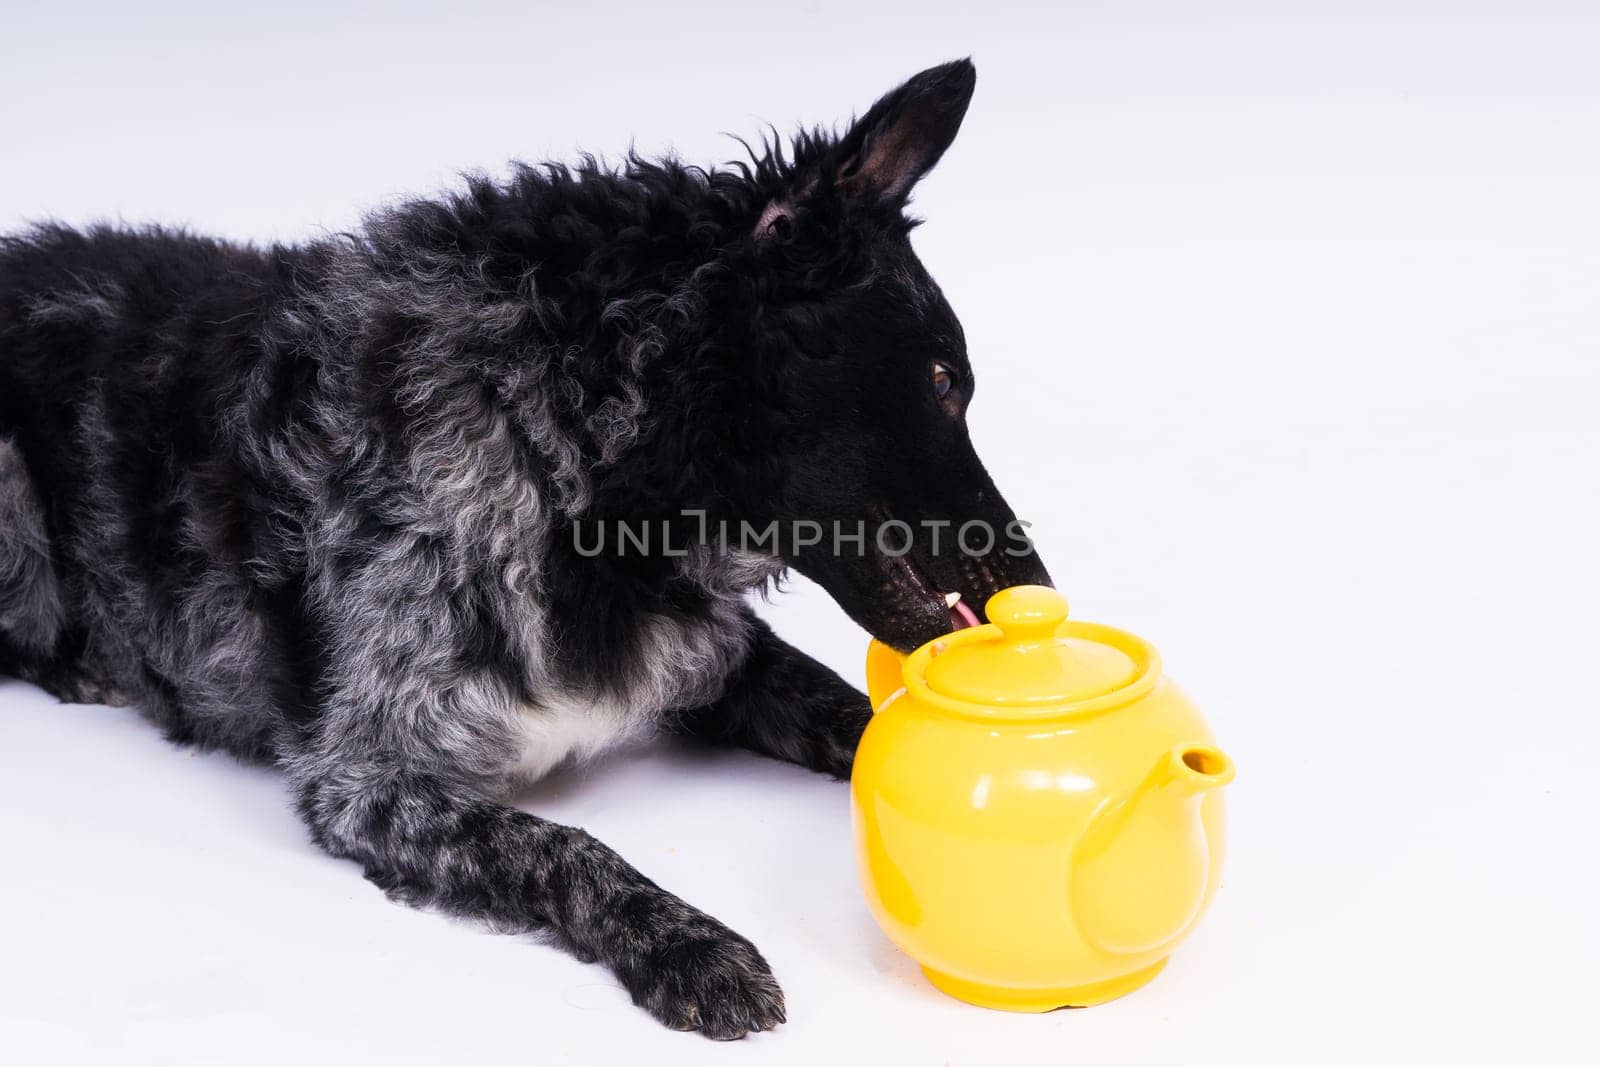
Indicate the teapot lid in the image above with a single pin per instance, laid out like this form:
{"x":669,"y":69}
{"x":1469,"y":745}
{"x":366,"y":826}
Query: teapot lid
{"x":1031,"y":657}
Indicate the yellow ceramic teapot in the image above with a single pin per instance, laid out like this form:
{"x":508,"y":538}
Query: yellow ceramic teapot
{"x":1037,"y":812}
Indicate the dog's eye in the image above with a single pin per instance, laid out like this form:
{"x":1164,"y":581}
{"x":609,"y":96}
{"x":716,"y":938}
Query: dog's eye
{"x":943,"y":380}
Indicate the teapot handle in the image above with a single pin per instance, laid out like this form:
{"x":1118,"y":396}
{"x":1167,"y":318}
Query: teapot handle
{"x":885,"y":674}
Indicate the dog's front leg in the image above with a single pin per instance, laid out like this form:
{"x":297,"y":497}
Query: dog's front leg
{"x":396,"y":770}
{"x":782,"y":703}
{"x":434,"y":843}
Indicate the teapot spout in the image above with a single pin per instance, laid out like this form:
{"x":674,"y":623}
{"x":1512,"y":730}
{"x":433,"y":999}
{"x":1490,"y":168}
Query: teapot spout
{"x":1194,"y":768}
{"x":1143,"y":871}
{"x":885,"y":673}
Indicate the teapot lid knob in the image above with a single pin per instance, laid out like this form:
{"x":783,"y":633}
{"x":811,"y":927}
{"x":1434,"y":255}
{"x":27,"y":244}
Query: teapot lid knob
{"x":1027,"y":613}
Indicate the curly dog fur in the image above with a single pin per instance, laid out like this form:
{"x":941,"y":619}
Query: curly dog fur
{"x":316,"y":505}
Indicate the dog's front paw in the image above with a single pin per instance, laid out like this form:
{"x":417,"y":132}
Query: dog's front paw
{"x":849,"y":713}
{"x":705,"y":977}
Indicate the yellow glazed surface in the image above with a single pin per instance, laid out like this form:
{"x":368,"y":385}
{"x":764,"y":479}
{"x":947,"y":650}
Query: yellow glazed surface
{"x":1037,"y":813}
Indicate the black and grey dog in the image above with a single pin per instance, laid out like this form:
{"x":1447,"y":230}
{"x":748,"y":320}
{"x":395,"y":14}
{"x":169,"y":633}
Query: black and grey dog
{"x":325,"y":505}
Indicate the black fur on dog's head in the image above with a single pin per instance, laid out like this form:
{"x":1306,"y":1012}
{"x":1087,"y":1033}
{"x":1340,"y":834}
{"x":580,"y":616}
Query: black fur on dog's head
{"x":863,"y":377}
{"x":757,"y":342}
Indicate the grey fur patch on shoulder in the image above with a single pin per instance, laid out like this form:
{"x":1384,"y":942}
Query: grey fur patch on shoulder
{"x":90,"y":301}
{"x":30,"y":601}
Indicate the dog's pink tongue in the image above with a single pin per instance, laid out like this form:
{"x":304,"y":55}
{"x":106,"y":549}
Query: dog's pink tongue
{"x":961,"y":616}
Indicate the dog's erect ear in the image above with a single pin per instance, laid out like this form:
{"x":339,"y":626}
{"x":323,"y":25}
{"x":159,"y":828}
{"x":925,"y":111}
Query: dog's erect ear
{"x":903,"y":135}
{"x":887,"y":150}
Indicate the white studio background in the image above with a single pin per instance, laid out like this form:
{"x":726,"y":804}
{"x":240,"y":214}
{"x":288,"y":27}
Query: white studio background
{"x":1287,"y":320}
